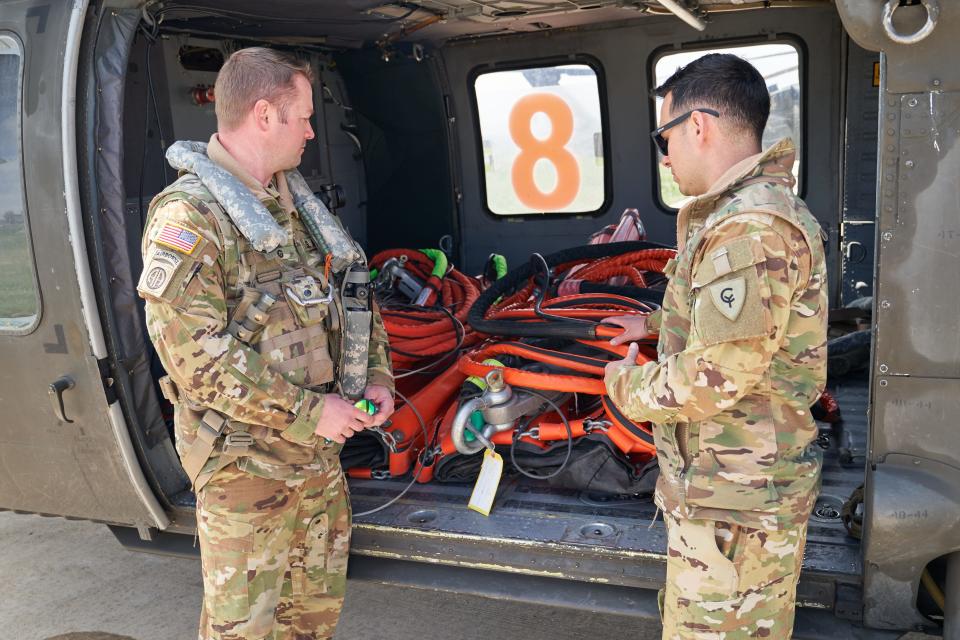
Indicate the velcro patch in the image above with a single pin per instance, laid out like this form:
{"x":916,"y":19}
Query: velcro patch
{"x":159,"y":272}
{"x":728,"y":296}
{"x":178,"y":237}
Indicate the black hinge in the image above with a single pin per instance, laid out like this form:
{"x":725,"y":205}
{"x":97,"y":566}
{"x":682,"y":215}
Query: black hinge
{"x":106,"y":377}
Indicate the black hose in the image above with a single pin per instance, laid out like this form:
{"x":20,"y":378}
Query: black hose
{"x":517,"y":278}
{"x":518,"y":434}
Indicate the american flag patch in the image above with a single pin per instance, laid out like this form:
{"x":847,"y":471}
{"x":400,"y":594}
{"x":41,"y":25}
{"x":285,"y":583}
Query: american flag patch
{"x":176,"y":237}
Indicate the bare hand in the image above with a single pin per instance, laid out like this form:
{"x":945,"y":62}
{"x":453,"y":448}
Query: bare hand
{"x":339,"y":419}
{"x":635,"y":328}
{"x":629,"y":361}
{"x":380,"y":396}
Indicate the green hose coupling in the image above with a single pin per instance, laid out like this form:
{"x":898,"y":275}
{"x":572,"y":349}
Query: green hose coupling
{"x":499,"y":264}
{"x":440,"y":263}
{"x":477,"y":422}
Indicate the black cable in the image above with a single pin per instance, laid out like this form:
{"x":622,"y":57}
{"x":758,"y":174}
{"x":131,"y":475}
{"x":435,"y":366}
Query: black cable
{"x":156,"y":110}
{"x":539,"y":260}
{"x":457,"y":328}
{"x":519,"y":434}
{"x":426,"y":436}
{"x":517,"y":278}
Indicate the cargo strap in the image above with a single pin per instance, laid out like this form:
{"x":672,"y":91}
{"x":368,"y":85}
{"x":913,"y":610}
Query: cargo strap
{"x":212,"y":425}
{"x":235,"y":444}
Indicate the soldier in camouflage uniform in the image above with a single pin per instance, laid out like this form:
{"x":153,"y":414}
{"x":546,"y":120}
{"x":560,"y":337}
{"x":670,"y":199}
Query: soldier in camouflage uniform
{"x":243,"y":305}
{"x":742,"y":356}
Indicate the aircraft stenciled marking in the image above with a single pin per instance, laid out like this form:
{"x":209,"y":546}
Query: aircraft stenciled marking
{"x":552,"y":149}
{"x":60,"y":346}
{"x":41,"y":13}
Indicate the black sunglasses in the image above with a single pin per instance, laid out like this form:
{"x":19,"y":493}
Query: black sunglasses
{"x":657,"y":134}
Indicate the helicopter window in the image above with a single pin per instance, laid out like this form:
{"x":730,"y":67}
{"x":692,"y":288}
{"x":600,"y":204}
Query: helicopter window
{"x":541,"y":130}
{"x":779,"y":63}
{"x":19,"y":300}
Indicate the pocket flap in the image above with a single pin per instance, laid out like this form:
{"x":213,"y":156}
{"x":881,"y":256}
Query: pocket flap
{"x":728,"y":258}
{"x":732,"y":491}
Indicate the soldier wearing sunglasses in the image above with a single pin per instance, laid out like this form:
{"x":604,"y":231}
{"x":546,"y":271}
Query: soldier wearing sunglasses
{"x":742,"y":357}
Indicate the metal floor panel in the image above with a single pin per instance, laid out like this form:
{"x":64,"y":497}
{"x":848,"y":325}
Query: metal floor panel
{"x":538,"y":530}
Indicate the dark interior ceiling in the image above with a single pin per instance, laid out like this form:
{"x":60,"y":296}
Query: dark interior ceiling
{"x":358,"y":23}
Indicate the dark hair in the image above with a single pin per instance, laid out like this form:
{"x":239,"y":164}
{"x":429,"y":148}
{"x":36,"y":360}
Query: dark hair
{"x":725,"y":82}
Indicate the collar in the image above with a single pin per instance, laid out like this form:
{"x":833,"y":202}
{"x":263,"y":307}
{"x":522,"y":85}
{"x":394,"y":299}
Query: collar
{"x":775,"y":163}
{"x":276,"y":190}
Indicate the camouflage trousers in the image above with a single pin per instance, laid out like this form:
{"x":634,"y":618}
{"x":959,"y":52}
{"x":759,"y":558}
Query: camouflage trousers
{"x":727,"y":582}
{"x":274,"y":555}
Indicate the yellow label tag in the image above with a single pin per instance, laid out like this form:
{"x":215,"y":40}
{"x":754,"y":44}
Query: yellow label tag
{"x":481,"y":500}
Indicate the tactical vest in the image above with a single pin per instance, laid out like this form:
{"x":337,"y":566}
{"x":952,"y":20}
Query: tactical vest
{"x":278,"y":303}
{"x":282,"y":304}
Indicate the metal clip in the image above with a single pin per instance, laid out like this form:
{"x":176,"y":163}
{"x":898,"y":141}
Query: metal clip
{"x":589,"y":426}
{"x":380,"y":474}
{"x":388,"y":439}
{"x":309,"y":302}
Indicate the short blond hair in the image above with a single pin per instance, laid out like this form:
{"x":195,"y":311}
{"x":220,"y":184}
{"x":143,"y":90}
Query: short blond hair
{"x":256,"y":73}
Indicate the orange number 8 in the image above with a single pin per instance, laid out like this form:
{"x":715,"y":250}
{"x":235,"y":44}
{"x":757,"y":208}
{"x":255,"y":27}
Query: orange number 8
{"x":552,"y":149}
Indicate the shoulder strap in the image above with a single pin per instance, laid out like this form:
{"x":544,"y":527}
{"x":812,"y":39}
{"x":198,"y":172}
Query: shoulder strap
{"x":815,"y":249}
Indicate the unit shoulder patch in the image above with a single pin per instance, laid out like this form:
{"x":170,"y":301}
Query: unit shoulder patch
{"x":730,"y":284}
{"x":728,"y":296}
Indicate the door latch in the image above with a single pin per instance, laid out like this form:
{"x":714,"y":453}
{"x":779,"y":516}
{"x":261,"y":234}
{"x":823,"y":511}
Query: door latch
{"x":55,"y":391}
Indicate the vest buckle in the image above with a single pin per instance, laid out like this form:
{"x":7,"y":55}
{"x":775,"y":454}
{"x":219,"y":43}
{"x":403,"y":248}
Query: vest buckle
{"x":236,"y":443}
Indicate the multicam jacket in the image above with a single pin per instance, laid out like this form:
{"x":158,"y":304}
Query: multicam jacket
{"x":197,"y":269}
{"x":742,"y":353}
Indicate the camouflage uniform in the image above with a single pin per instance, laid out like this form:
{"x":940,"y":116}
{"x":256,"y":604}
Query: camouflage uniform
{"x":742,"y":356}
{"x":274,"y":517}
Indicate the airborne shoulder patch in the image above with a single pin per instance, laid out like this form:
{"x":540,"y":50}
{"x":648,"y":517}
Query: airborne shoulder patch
{"x":159,"y":271}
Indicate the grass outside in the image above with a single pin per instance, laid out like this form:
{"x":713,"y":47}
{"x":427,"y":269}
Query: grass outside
{"x":18,"y":292}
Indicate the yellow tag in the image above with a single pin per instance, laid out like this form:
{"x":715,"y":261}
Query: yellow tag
{"x":481,"y":500}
